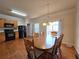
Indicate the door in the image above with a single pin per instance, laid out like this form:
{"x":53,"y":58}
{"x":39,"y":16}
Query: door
{"x":53,"y":26}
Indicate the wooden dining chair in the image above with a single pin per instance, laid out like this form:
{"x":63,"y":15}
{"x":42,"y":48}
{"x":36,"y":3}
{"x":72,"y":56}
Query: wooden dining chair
{"x":54,"y":33}
{"x":29,"y":48}
{"x":46,"y":54}
{"x":49,"y":55}
{"x":54,"y":51}
{"x":35,"y":34}
{"x":59,"y":41}
{"x":43,"y":54}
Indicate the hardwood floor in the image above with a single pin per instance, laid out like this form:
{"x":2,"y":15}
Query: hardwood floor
{"x":15,"y":49}
{"x":67,"y":52}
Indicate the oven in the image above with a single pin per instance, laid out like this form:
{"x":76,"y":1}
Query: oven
{"x":9,"y":32}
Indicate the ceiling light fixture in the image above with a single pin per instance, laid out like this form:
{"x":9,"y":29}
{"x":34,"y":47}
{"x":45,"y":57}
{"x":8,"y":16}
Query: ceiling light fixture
{"x":50,"y":23}
{"x":18,"y":12}
{"x":47,"y":13}
{"x":48,"y":4}
{"x":44,"y":24}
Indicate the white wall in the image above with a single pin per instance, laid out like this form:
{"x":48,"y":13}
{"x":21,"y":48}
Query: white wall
{"x":77,"y":28}
{"x":68,"y":20}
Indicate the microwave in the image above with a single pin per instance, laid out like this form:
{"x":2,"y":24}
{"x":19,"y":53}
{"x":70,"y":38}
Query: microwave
{"x":8,"y":25}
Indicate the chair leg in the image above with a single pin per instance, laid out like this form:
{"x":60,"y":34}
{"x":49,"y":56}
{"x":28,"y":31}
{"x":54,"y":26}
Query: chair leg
{"x":55,"y":57}
{"x":59,"y":54}
{"x":30,"y":56}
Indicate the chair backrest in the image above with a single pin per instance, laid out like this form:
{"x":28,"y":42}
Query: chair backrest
{"x":54,"y":33}
{"x":37,"y":53}
{"x":28,"y":45}
{"x":29,"y":48}
{"x":35,"y":34}
{"x":42,"y":54}
{"x":54,"y":51}
{"x":60,"y":40}
{"x":57,"y":44}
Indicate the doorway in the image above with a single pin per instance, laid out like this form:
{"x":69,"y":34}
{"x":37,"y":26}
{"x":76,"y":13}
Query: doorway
{"x":53,"y":26}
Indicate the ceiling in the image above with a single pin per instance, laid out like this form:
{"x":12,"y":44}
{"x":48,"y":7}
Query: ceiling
{"x":36,"y":8}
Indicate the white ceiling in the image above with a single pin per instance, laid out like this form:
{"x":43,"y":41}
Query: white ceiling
{"x":36,"y":8}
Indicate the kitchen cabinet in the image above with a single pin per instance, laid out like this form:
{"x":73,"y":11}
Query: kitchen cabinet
{"x":2,"y":37}
{"x":2,"y":21}
{"x":17,"y":36}
{"x":14,"y":22}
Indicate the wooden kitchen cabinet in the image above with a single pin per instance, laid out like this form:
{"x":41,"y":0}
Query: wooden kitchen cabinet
{"x":2,"y":36}
{"x":15,"y":23}
{"x":12,"y":22}
{"x":16,"y":35}
{"x":2,"y":21}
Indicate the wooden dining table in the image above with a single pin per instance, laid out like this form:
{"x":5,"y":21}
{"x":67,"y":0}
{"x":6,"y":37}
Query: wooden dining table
{"x":44,"y":42}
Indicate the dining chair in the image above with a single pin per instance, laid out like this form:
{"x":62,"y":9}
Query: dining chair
{"x":43,"y":54}
{"x":35,"y":34}
{"x":54,"y":51}
{"x":59,"y":45}
{"x":54,"y":33}
{"x":29,"y":48}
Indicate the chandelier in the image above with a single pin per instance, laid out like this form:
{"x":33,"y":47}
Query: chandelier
{"x":47,"y":13}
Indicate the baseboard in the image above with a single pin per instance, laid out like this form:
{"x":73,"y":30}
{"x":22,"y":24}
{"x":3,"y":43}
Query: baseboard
{"x":68,"y":44}
{"x":76,"y":54}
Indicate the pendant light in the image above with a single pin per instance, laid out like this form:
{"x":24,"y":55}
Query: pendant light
{"x":47,"y":13}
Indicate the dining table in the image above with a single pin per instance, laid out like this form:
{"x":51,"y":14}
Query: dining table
{"x":44,"y":42}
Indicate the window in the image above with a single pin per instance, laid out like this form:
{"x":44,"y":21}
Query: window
{"x":36,"y":27}
{"x":53,"y":26}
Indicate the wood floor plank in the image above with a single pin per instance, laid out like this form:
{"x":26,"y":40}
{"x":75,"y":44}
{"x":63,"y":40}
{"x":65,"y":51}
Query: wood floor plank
{"x":67,"y":52}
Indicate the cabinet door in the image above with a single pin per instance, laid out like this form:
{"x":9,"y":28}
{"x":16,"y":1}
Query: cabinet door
{"x":15,"y":23}
{"x":16,"y":35}
{"x":2,"y":37}
{"x":1,"y":23}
